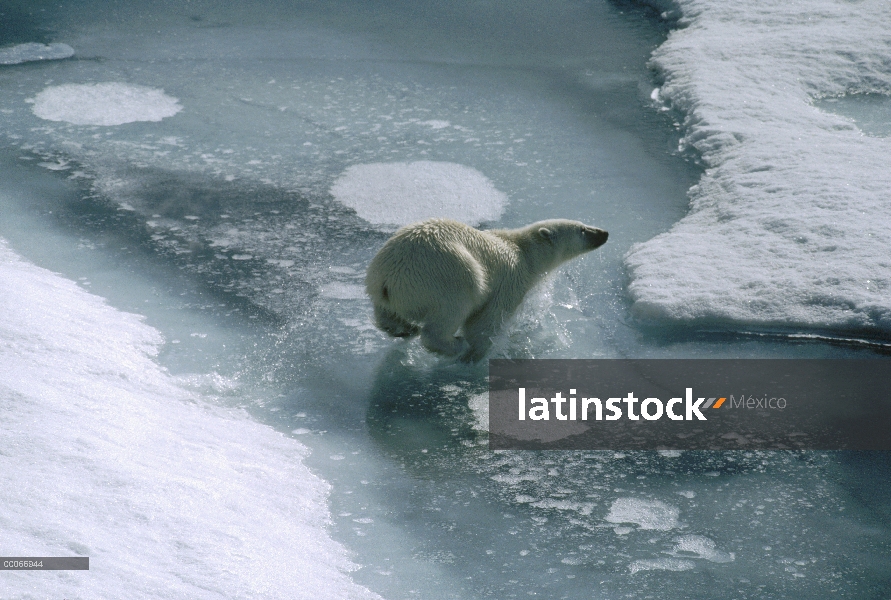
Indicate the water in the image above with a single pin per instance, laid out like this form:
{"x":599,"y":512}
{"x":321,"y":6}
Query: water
{"x":222,"y":224}
{"x":870,"y":112}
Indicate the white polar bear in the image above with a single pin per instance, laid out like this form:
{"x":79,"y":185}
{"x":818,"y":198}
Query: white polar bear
{"x":438,"y":276}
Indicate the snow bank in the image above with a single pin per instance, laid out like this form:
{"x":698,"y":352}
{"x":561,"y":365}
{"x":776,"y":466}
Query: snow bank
{"x":106,"y":455}
{"x":788,"y":227}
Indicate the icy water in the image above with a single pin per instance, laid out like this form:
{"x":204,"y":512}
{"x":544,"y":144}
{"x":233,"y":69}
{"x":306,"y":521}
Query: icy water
{"x":223,"y":215}
{"x":870,"y":112}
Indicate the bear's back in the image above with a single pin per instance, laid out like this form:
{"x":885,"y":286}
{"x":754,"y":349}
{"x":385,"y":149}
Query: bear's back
{"x":425,"y":263}
{"x":445,"y":234}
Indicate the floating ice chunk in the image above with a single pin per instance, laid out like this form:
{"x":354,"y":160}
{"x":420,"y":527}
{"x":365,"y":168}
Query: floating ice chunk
{"x":344,"y":270}
{"x":583,"y":508}
{"x":646,"y":514}
{"x":661,"y":564}
{"x":436,"y":124}
{"x":55,"y":166}
{"x":479,"y":406}
{"x":622,"y":530}
{"x":342,"y":291}
{"x":402,"y":193}
{"x":670,"y":453}
{"x":280,"y":262}
{"x":14,"y":55}
{"x":702,"y":547}
{"x":111,"y":103}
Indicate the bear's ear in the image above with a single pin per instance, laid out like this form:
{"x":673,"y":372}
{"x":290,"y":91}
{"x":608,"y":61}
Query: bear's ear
{"x":546,"y":234}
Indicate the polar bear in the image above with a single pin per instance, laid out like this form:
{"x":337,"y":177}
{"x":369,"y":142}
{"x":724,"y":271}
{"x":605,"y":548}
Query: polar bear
{"x":438,"y":276}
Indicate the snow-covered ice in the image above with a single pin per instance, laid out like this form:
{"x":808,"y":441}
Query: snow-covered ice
{"x":402,"y":193}
{"x":110,"y":103}
{"x":106,"y":455}
{"x":14,"y":55}
{"x":788,"y":226}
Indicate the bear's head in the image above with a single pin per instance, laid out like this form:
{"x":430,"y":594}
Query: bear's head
{"x":568,"y":239}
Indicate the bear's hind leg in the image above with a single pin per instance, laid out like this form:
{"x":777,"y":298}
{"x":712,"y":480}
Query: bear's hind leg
{"x":393,"y":324}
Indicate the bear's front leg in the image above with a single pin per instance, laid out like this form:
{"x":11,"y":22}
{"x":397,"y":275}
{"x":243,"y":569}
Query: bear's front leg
{"x":479,"y":330}
{"x":442,"y":340}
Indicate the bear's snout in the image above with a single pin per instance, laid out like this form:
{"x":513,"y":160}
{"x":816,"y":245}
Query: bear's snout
{"x":595,"y":237}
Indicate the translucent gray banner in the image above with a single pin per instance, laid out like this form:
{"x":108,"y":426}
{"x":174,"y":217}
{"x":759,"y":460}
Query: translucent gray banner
{"x":44,"y":563}
{"x":637,"y":404}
